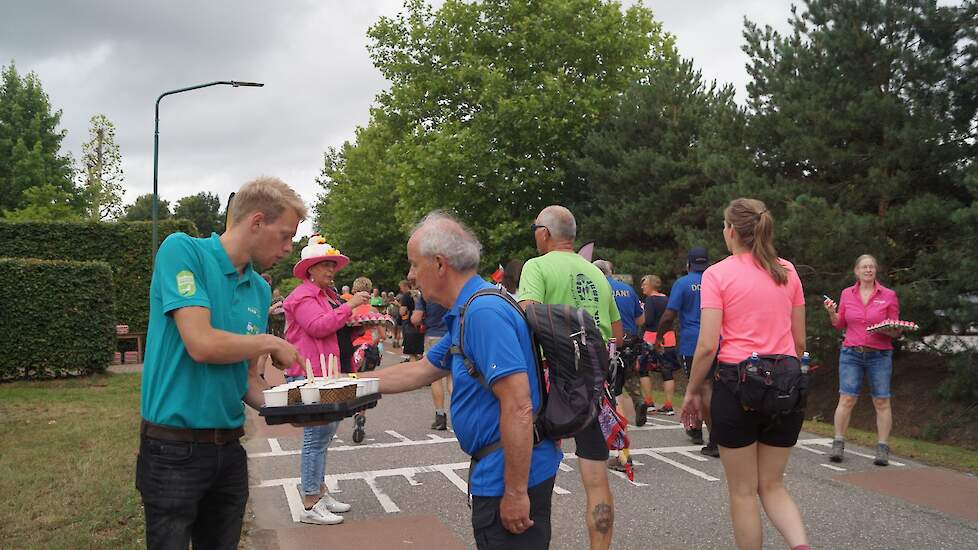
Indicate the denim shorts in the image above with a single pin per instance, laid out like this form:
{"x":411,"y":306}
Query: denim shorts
{"x":854,"y":365}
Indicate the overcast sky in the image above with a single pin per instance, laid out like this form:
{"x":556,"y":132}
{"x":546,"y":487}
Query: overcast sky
{"x":115,"y":58}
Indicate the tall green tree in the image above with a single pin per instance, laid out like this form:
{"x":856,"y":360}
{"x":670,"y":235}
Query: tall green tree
{"x":101,"y":176}
{"x":659,"y":167}
{"x":30,"y":141}
{"x":864,"y":126}
{"x":204,"y":209}
{"x":46,"y":203}
{"x":489,"y":102}
{"x":142,"y":209}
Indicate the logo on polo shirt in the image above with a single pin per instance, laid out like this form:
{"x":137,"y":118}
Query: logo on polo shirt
{"x":186,"y":285}
{"x":251,"y":329}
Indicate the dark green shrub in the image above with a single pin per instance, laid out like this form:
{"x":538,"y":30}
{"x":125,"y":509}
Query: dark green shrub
{"x":125,"y":246}
{"x":57,"y":318}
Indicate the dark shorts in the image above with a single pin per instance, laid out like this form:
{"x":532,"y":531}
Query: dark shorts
{"x":668,"y":364}
{"x":488,"y":527}
{"x":733,"y":427}
{"x":413,"y":341}
{"x":591,"y":444}
{"x":687,"y":362}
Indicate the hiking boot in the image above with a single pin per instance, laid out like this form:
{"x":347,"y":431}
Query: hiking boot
{"x":614,"y":463}
{"x":882,"y":455}
{"x":696,"y":435}
{"x":711,"y":450}
{"x":838,"y":449}
{"x":440,"y":423}
{"x":642,"y":414}
{"x":666,"y":410}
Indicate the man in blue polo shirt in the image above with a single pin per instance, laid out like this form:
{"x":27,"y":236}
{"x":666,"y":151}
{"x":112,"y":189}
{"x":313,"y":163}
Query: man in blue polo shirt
{"x":207,"y":321}
{"x":684,"y":300}
{"x":511,"y":486}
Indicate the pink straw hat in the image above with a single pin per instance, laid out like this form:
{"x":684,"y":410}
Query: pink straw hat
{"x":318,"y":250}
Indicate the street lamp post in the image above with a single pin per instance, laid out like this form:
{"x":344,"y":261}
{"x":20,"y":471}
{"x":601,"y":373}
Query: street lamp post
{"x":156,"y":145}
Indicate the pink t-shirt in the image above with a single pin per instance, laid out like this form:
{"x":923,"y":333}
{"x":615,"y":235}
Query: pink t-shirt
{"x":855,"y":316}
{"x":756,"y":310}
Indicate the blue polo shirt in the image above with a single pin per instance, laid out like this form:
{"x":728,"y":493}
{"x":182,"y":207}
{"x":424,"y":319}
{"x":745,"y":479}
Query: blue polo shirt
{"x":178,"y":391}
{"x":628,"y":305}
{"x":497,"y":340}
{"x":434,"y":318}
{"x":685,"y":300}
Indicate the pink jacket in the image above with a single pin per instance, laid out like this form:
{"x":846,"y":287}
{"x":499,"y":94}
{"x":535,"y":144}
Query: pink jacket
{"x":311,"y":325}
{"x":855,"y":317}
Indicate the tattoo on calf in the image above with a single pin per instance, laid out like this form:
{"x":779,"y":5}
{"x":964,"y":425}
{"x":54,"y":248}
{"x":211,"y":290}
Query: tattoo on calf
{"x":604,"y":517}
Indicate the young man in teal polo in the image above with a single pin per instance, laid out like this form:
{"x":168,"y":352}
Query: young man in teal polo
{"x":208,"y":315}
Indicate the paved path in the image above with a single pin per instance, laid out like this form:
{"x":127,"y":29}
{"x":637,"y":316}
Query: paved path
{"x":407,"y":487}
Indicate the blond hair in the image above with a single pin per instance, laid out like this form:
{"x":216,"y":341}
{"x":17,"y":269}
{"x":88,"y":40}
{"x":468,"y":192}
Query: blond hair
{"x":268,"y":195}
{"x":362,"y":284}
{"x":652,"y":280}
{"x":754,"y":226}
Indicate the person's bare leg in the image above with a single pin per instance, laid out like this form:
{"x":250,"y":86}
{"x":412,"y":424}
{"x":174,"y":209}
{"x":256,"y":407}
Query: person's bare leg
{"x":707,"y":393}
{"x":843,"y":412}
{"x":626,"y":408}
{"x":670,"y":388}
{"x":778,"y":504}
{"x":600,"y":511}
{"x":438,"y":395}
{"x":740,"y":467}
{"x":884,"y":418}
{"x":646,"y":383}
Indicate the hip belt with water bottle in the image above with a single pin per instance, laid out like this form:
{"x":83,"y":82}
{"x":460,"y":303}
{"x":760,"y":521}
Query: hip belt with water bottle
{"x":772,"y":385}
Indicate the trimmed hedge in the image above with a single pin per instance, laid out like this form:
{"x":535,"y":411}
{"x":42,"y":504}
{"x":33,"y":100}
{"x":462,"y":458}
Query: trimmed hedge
{"x":57,"y":318}
{"x":126,"y":246}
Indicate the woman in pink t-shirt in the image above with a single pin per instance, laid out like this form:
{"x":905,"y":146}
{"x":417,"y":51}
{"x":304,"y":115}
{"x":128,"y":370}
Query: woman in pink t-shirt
{"x":864,"y":354}
{"x":754,"y":300}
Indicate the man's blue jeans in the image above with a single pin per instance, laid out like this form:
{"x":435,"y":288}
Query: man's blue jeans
{"x":315,"y":443}
{"x":192,"y":492}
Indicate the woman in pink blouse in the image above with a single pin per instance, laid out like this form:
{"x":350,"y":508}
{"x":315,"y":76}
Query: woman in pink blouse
{"x":864,"y":354}
{"x":313,"y":314}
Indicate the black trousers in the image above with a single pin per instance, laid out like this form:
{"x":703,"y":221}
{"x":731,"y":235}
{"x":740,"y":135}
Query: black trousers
{"x":490,"y":533}
{"x":192,"y":492}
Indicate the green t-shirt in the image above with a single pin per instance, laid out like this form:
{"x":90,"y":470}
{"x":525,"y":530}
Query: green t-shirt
{"x":567,"y":278}
{"x":376,"y":301}
{"x":178,"y":391}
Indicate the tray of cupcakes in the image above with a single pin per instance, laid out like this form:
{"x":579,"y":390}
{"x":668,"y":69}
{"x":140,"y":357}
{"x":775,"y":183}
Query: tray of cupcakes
{"x":890,"y":324}
{"x":328,"y":398}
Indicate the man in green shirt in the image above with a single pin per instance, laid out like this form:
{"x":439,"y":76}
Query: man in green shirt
{"x":561,"y":276}
{"x":207,"y":329}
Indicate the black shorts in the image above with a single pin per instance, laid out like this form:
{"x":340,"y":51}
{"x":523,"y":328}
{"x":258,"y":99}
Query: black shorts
{"x":487,"y":527}
{"x":733,"y":427}
{"x":590,"y":443}
{"x":413,"y":341}
{"x":687,"y":362}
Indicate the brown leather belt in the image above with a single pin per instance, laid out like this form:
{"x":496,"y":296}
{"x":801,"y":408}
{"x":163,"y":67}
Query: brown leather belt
{"x":863,"y":349}
{"x":216,"y":436}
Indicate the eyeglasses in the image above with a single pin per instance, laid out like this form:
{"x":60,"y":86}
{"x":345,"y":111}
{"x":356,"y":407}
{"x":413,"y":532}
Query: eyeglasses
{"x":534,"y":227}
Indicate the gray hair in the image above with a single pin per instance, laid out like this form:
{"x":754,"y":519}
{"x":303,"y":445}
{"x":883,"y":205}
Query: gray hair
{"x":604,"y":266}
{"x":346,"y":288}
{"x":441,"y":234}
{"x":559,"y":221}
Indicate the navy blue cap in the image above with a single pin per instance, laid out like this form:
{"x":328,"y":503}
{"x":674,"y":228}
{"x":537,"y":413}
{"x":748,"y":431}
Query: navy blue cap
{"x":698,"y":259}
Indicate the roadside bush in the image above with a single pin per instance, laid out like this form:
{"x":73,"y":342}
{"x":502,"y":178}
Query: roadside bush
{"x":57,"y":318}
{"x":125,"y":246}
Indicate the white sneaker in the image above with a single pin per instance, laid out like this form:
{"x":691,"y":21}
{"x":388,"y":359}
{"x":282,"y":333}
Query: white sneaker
{"x":334,"y":505}
{"x":319,"y":515}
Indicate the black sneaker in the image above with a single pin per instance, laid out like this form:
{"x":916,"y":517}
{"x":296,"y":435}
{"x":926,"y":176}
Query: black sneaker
{"x":666,"y":410}
{"x":711,"y":450}
{"x":440,"y":423}
{"x":882,"y":455}
{"x":696,"y":435}
{"x":838,"y":449}
{"x":642,"y":414}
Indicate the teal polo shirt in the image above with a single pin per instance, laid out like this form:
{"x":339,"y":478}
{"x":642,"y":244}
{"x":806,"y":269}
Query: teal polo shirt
{"x":178,"y":391}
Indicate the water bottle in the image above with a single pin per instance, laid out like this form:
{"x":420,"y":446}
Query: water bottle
{"x":754,"y":360}
{"x":805,"y":359}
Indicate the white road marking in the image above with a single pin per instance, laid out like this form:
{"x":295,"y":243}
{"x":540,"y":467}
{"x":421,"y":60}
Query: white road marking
{"x":396,"y":435}
{"x":831,"y":467}
{"x":273,"y":445}
{"x":809,"y":449}
{"x":432,"y":439}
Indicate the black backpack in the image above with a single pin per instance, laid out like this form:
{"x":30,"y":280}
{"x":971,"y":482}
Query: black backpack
{"x":572,"y":369}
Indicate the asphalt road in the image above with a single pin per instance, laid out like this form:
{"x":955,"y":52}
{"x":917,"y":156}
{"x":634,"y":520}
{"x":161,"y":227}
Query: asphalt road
{"x":678,"y":498}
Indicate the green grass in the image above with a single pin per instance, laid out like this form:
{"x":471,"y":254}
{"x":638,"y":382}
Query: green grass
{"x":67,"y":463}
{"x":935,"y":454}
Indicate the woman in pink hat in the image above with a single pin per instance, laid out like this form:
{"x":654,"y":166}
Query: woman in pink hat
{"x":314,"y":314}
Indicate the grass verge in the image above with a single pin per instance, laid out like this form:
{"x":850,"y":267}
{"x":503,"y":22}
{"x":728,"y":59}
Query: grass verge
{"x":67,"y":463}
{"x":935,"y":454}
